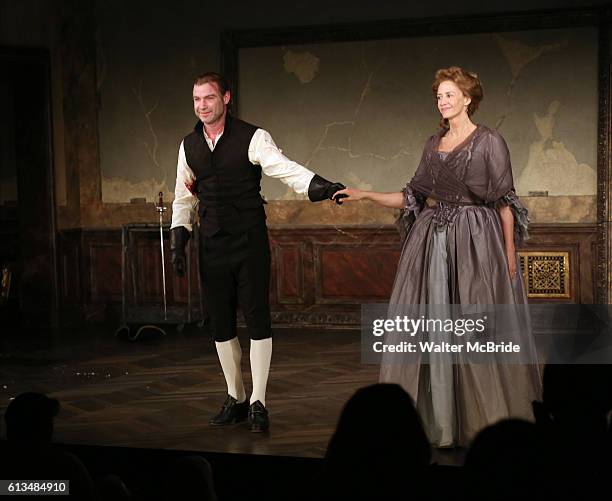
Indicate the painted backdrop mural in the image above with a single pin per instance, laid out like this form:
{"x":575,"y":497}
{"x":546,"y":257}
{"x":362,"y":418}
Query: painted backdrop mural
{"x":360,"y":112}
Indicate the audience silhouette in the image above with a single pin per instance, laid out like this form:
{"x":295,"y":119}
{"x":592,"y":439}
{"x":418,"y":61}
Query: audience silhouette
{"x":379,"y":449}
{"x":112,"y":488}
{"x":28,"y":453}
{"x":190,"y":477}
{"x":504,"y":462}
{"x":573,"y":421}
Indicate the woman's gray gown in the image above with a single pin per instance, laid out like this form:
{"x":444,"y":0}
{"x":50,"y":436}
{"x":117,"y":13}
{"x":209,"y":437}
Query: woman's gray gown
{"x":454,"y":254}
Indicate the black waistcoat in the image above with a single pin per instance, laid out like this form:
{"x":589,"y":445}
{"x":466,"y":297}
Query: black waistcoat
{"x":227,"y":183}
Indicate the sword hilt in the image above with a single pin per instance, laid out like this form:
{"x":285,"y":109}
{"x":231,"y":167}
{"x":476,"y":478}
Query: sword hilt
{"x":160,"y":207}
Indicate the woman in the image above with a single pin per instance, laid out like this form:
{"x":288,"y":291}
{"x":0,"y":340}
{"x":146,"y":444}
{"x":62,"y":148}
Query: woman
{"x":459,"y":217}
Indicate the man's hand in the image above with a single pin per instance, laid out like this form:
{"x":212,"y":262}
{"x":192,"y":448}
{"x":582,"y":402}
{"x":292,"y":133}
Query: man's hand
{"x":179,"y":237}
{"x":350,"y":194}
{"x":322,"y":189}
{"x":334,"y":188}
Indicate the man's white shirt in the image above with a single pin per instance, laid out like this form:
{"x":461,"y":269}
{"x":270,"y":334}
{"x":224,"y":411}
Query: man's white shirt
{"x":262,"y":151}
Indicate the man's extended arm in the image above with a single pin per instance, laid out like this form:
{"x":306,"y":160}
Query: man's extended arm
{"x":263,"y":151}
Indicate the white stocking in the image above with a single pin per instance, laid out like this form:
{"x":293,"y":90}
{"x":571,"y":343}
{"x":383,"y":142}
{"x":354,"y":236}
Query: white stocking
{"x":261,"y":354}
{"x":230,"y":355}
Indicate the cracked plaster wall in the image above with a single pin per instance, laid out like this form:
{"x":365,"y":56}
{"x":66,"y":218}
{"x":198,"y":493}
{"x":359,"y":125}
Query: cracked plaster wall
{"x":146,"y":56}
{"x":360,"y":112}
{"x":147,"y":59}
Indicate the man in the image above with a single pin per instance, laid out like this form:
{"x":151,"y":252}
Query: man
{"x":220,"y":165}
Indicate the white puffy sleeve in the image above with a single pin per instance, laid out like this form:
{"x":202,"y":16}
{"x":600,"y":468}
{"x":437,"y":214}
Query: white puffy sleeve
{"x":263,"y":151}
{"x":185,"y":201}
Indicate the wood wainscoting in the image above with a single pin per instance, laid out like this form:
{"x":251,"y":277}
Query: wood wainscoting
{"x":321,"y":275}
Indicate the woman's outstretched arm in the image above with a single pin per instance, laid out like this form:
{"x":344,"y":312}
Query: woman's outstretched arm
{"x":394,"y":200}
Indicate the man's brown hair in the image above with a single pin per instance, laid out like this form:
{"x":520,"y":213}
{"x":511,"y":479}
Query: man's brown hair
{"x":212,"y":77}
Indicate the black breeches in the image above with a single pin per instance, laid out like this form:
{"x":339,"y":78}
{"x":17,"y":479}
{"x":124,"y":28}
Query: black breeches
{"x":236,"y":272}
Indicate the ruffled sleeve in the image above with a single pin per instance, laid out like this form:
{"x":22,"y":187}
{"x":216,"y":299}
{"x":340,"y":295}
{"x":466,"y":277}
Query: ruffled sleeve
{"x":520,"y":212}
{"x":501,"y":185}
{"x":413,"y":204}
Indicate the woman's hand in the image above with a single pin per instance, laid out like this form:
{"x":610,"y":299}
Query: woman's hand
{"x":512,"y":266}
{"x":350,"y":194}
{"x":507,"y":221}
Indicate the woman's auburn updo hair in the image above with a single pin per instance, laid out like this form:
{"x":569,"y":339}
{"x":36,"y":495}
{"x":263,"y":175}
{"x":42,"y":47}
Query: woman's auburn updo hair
{"x":467,"y":81}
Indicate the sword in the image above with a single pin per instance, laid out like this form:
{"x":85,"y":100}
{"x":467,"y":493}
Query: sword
{"x":161,"y":209}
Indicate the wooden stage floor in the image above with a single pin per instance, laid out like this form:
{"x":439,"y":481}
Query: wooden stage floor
{"x":160,"y":394}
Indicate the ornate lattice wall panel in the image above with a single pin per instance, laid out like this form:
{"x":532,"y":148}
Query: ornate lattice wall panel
{"x":546,"y":274}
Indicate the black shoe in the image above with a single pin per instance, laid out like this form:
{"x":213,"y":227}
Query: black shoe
{"x":231,"y":412}
{"x":258,"y":417}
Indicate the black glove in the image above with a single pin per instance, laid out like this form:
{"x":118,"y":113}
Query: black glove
{"x":322,"y":189}
{"x":179,"y":237}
